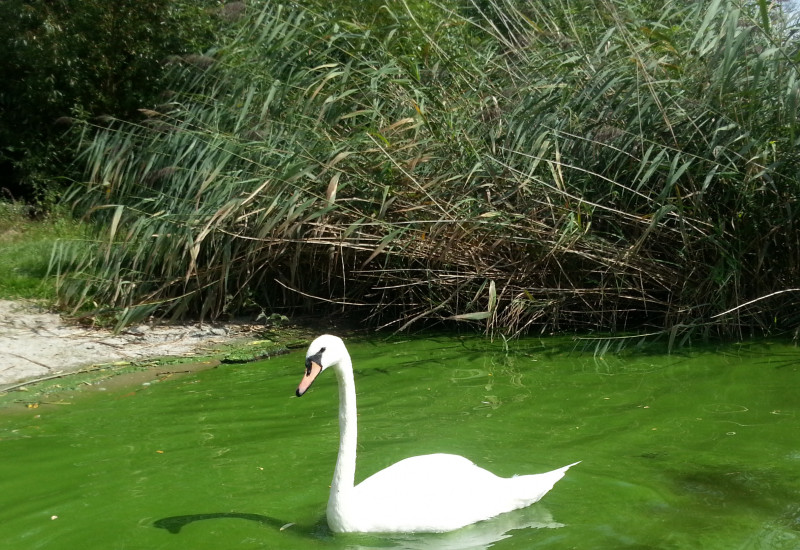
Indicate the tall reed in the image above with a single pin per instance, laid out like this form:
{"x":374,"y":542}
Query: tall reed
{"x":562,"y":165}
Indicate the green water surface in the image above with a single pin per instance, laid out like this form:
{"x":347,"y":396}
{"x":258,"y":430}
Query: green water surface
{"x":695,"y":449}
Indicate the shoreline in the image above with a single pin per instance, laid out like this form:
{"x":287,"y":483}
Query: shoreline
{"x":36,"y":343}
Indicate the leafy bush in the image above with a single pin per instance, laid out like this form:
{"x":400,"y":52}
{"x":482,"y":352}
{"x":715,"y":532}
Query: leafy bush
{"x":81,"y":59}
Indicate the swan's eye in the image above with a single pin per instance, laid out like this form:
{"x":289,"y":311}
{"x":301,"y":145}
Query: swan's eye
{"x":316,"y":358}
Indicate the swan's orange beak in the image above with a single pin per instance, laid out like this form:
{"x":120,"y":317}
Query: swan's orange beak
{"x":312,"y":370}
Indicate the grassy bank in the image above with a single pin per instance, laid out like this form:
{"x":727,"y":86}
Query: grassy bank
{"x":592,"y":165}
{"x":26,"y":247}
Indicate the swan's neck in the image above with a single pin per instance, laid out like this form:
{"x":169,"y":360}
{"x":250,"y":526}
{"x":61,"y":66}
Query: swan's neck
{"x":345,"y":472}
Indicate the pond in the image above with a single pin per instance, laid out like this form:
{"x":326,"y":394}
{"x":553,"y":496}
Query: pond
{"x":694,"y":449}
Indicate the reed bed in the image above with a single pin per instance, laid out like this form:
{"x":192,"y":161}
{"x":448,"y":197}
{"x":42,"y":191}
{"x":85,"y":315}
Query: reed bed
{"x":608,"y":166}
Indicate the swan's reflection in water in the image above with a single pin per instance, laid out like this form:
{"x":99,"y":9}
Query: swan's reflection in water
{"x":478,"y":536}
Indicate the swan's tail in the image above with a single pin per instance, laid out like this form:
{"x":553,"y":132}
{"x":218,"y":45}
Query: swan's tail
{"x":533,"y":487}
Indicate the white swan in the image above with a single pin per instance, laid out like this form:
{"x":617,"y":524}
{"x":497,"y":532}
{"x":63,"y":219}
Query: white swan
{"x":429,"y":493}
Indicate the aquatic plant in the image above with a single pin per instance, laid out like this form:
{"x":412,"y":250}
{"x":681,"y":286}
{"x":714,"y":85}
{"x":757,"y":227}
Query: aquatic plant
{"x":592,"y":165}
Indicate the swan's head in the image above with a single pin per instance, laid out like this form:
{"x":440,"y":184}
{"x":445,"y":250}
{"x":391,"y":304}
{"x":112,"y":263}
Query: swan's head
{"x":323,"y":352}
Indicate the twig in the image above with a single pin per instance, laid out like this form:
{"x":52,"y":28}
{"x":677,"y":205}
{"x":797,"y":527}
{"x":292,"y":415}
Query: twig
{"x":51,"y":377}
{"x":755,"y":300}
{"x":30,"y":360}
{"x":337,"y":302}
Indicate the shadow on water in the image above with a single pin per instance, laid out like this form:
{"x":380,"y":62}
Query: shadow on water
{"x":174,"y":524}
{"x":724,"y":485}
{"x":478,"y":536}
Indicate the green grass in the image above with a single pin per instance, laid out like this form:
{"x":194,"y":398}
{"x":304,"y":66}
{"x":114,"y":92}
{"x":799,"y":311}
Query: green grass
{"x":26,"y":247}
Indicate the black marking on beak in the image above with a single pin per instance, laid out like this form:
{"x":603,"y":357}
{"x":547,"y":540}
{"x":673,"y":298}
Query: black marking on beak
{"x":316,"y":358}
{"x":313,"y":368}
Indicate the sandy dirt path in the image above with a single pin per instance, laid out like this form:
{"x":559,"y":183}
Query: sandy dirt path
{"x":36,"y":343}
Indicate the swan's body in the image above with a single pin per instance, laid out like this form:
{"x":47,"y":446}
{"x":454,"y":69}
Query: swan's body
{"x":428,"y":493}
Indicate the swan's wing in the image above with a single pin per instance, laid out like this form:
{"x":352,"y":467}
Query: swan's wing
{"x":426,"y":474}
{"x":436,"y":492}
{"x":440,"y":492}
